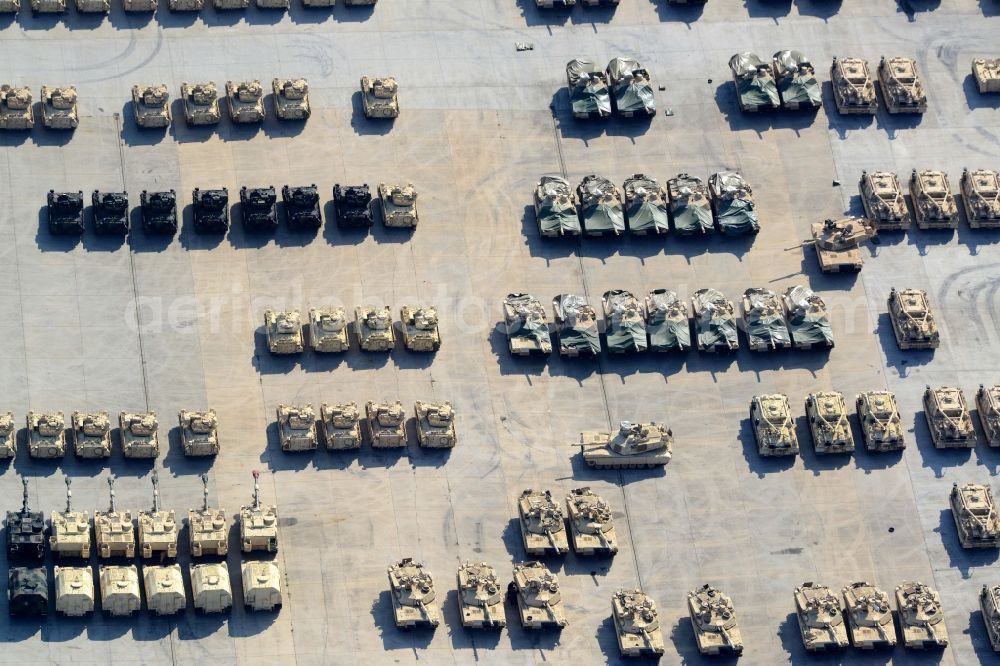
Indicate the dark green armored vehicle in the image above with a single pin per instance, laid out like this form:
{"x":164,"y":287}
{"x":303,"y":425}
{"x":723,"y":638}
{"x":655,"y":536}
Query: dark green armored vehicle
{"x":631,"y":91}
{"x":646,"y":206}
{"x":65,"y":211}
{"x":732,"y":200}
{"x":689,"y":205}
{"x":588,"y":89}
{"x":601,"y":209}
{"x":797,"y":82}
{"x":555,"y":207}
{"x":28,"y":591}
{"x":755,"y":87}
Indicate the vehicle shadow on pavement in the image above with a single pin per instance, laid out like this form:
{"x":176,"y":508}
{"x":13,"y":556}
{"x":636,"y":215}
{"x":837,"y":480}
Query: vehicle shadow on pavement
{"x":178,"y":463}
{"x":934,"y":458}
{"x":392,"y":637}
{"x":773,"y":9}
{"x":974,"y":238}
{"x":545,"y":248}
{"x":963,"y":559}
{"x":973,"y":97}
{"x":49,"y":242}
{"x":239,"y":237}
{"x":301,"y":14}
{"x":190,"y":239}
{"x":510,"y":364}
{"x":989,"y":7}
{"x":535,"y":15}
{"x":133,"y":135}
{"x":759,"y":122}
{"x":895,"y":357}
{"x":363,"y":125}
{"x":682,"y":636}
{"x":813,"y":461}
{"x":267,"y":363}
{"x":352,"y":14}
{"x":758,"y":464}
{"x":976,"y":631}
{"x":912,"y":7}
{"x":824,"y":9}
{"x":841,"y":123}
{"x":687,"y":14}
{"x":486,"y":638}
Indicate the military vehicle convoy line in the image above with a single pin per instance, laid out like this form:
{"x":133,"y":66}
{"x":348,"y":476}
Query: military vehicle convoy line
{"x":146,"y":6}
{"x":326,"y":330}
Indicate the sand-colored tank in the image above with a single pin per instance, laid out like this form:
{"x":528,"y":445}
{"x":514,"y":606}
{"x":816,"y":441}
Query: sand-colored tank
{"x":414,"y":603}
{"x":380,"y":96}
{"x":211,"y":590}
{"x":555,"y":208}
{"x":186,"y":5}
{"x":230,"y":4}
{"x":819,"y":616}
{"x":435,"y":424}
{"x":988,"y":408}
{"x":139,"y":5}
{"x":93,"y":6}
{"x":981,"y":198}
{"x":637,"y":624}
{"x":199,"y":432}
{"x":807,"y":319}
{"x":420,"y":328}
{"x":114,"y":531}
{"x":373,"y":326}
{"x":165,"y":593}
{"x":829,"y":422}
{"x":601,"y":209}
{"x":667,"y":322}
{"x":587,"y":83}
{"x":120,"y":593}
{"x":51,"y":6}
{"x":399,"y":205}
{"x":543,"y":527}
{"x":328,"y":330}
{"x":989,"y":604}
{"x":838,"y":243}
{"x":25,"y":531}
{"x":881,"y":427}
{"x":576,"y":323}
{"x":283,"y":329}
{"x":986,"y":72}
{"x":139,"y":434}
{"x":853,"y":88}
{"x":74,"y":590}
{"x":480,"y":596}
{"x":201,"y":101}
{"x":208,"y":530}
{"x":70,"y":530}
{"x":921,"y":618}
{"x":975,"y":515}
{"x":157,"y":528}
{"x":773,"y":426}
{"x":16,"y":108}
{"x":386,"y":424}
{"x":754,"y":81}
{"x":297,"y":427}
{"x":291,"y":97}
{"x":633,"y":446}
{"x":46,"y":434}
{"x":526,"y":326}
{"x":341,"y":425}
{"x":91,"y":435}
{"x":933,"y":201}
{"x":28,"y":591}
{"x":764,"y":320}
{"x":8,"y":436}
{"x":591,"y":524}
{"x":258,"y":523}
{"x":902,"y":89}
{"x":714,"y":321}
{"x":883,"y":201}
{"x":151,"y":105}
{"x":796,"y":80}
{"x":869,"y":616}
{"x":912,"y":321}
{"x":624,"y":322}
{"x":59,"y":107}
{"x":261,"y":585}
{"x":713,"y":618}
{"x":246,"y":101}
{"x":539,"y":599}
{"x":948,"y":418}
{"x":645,"y":205}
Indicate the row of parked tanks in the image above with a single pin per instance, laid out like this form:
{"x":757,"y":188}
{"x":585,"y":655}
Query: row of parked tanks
{"x":934,"y":204}
{"x":327,"y":329}
{"x":642,"y":206}
{"x":663,"y":322}
{"x":104,"y":6}
{"x":59,"y":107}
{"x":622,"y":88}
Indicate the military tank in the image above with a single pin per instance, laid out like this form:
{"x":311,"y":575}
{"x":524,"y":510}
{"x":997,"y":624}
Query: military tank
{"x":576,"y":322}
{"x":624,"y":322}
{"x":820,"y":620}
{"x":796,"y":81}
{"x":70,"y":530}
{"x":933,"y":201}
{"x":853,"y":88}
{"x":555,"y":208}
{"x":354,"y":206}
{"x":902,"y":89}
{"x":881,"y":427}
{"x":591,"y":525}
{"x":690,"y":207}
{"x":199,"y":432}
{"x":211,"y":590}
{"x":114,"y":530}
{"x":773,"y":426}
{"x":261,"y":585}
{"x":667,"y":322}
{"x":634,"y":446}
{"x":201,"y":100}
{"x":222,"y":5}
{"x":208,"y":530}
{"x":601,"y":211}
{"x":637,"y":624}
{"x":25,"y":531}
{"x":151,"y":105}
{"x":838,"y":243}
{"x":139,"y":5}
{"x":210,"y":210}
{"x":829,"y":423}
{"x":913,"y":322}
{"x":981,"y":198}
{"x":49,"y":6}
{"x":110,"y":211}
{"x":921,"y":618}
{"x":302,"y":206}
{"x":883,"y":201}
{"x":869,"y":616}
{"x":259,"y":208}
{"x":373,"y":326}
{"x":258,"y":523}
{"x":91,"y":435}
{"x":159,"y":212}
{"x":988,"y":407}
{"x":74,"y":588}
{"x":525,"y":324}
{"x":59,"y":108}
{"x":631,"y":90}
{"x":93,"y":6}
{"x":139,"y":434}
{"x":713,"y":618}
{"x":588,"y":89}
{"x":645,"y":205}
{"x":543,"y":530}
{"x":386,"y":424}
{"x":380,"y":97}
{"x":948,"y":419}
{"x":764,"y":320}
{"x":714,"y":321}
{"x":539,"y":599}
{"x":480,"y":597}
{"x":989,"y":604}
{"x":46,"y":434}
{"x":435,"y":425}
{"x":807,"y":319}
{"x":341,"y":425}
{"x":16,"y":107}
{"x":28,"y":591}
{"x":284,"y":331}
{"x":246,"y":101}
{"x":986,"y":72}
{"x":733,"y":204}
{"x":399,"y":206}
{"x":291,"y":97}
{"x":119,"y":590}
{"x":164,"y":589}
{"x":157,"y":530}
{"x":414,"y":603}
{"x":975,"y":515}
{"x":420,"y":328}
{"x":65,"y":212}
{"x":8,"y":438}
{"x":754,"y":81}
{"x":297,"y":427}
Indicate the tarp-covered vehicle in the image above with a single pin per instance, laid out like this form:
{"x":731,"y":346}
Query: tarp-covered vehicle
{"x":624,"y":322}
{"x":755,"y":87}
{"x":764,"y":319}
{"x":526,"y":326}
{"x":577,"y":325}
{"x":797,"y":82}
{"x":807,"y":318}
{"x":715,"y":321}
{"x":631,"y":90}
{"x":601,"y":209}
{"x":555,"y":207}
{"x":646,"y":206}
{"x":667,"y":322}
{"x":588,"y":89}
{"x":689,"y":205}
{"x":732,"y":200}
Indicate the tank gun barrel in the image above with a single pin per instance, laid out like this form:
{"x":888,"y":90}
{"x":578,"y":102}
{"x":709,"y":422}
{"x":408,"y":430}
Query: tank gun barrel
{"x":24,"y":502}
{"x":204,"y":492}
{"x":111,"y":487}
{"x":156,"y":492}
{"x":69,"y":495}
{"x":256,"y":489}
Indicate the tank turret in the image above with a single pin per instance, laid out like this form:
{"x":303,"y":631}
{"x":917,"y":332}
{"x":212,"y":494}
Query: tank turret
{"x":591,"y":525}
{"x":414,"y":601}
{"x":207,"y":527}
{"x":258,"y":523}
{"x":70,"y":530}
{"x":157,"y":528}
{"x":633,"y":446}
{"x":115,"y":531}
{"x":480,"y":596}
{"x":637,"y":623}
{"x":714,"y":621}
{"x":539,"y":599}
{"x":543,"y":530}
{"x":25,"y":531}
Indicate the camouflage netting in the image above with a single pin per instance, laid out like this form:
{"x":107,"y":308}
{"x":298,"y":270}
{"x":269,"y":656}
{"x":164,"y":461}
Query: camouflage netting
{"x":716,"y":325}
{"x":755,"y":85}
{"x":626,"y":330}
{"x":601,"y":206}
{"x":807,"y":318}
{"x":666,"y":333}
{"x":647,"y":211}
{"x":797,"y":79}
{"x":588,"y":89}
{"x":735,"y":207}
{"x":632,"y":89}
{"x":579,"y":326}
{"x":556,"y":212}
{"x":765,"y":320}
{"x":690,"y":218}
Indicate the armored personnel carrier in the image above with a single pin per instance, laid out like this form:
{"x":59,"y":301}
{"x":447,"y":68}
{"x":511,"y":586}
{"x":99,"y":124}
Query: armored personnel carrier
{"x":139,"y":5}
{"x":159,"y":212}
{"x":912,"y":320}
{"x":601,"y":211}
{"x":733,"y":204}
{"x":259,"y":208}
{"x":119,"y":590}
{"x":986,"y":72}
{"x":667,"y":322}
{"x":74,"y":591}
{"x":59,"y":107}
{"x":637,"y":623}
{"x":933,"y":201}
{"x":46,"y":434}
{"x":341,"y":425}
{"x":591,"y":525}
{"x":164,"y":589}
{"x":796,"y":81}
{"x":480,"y":597}
{"x":328,"y":330}
{"x":16,"y":108}
{"x":25,"y":531}
{"x":28,"y":591}
{"x":291,"y":97}
{"x":93,"y":6}
{"x":354,"y":206}
{"x":588,"y":89}
{"x":773,"y":426}
{"x":901,"y":87}
{"x":921,"y":619}
{"x":302,"y":210}
{"x":525,"y":324}
{"x":65,"y":212}
{"x":853,"y":88}
{"x":70,"y":530}
{"x":820,"y":620}
{"x":981,"y":198}
{"x":988,"y":407}
{"x":373,"y":326}
{"x":413,"y":597}
{"x":114,"y":530}
{"x":837,"y":243}
{"x":713,"y":619}
{"x":261,"y":585}
{"x":140,"y":434}
{"x":948,"y":418}
{"x":764,"y":319}
{"x":8,"y":438}
{"x":201,"y":100}
{"x":151,"y":105}
{"x":829,"y":423}
{"x":399,"y":206}
{"x":110,"y":211}
{"x":380,"y":97}
{"x":645,"y":205}
{"x":284,"y":331}
{"x":543,"y":530}
{"x":435,"y":425}
{"x":881,"y":427}
{"x":690,"y":207}
{"x":883,"y":201}
{"x":634,"y":446}
{"x":48,"y":6}
{"x":576,"y":322}
{"x":420,"y":328}
{"x":555,"y":208}
{"x":91,"y":435}
{"x":754,"y":80}
{"x":975,"y":515}
{"x":211,"y":590}
{"x":246,"y":101}
{"x":989,"y":604}
{"x":297,"y":427}
{"x":624,"y":322}
{"x":869,"y":616}
{"x":714,"y":321}
{"x":631,"y":90}
{"x":539,"y":599}
{"x":386,"y":424}
{"x":211,"y":210}
{"x":807,"y":318}
{"x":157,"y":529}
{"x":208,"y":530}
{"x":258,"y":523}
{"x":199,"y":432}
